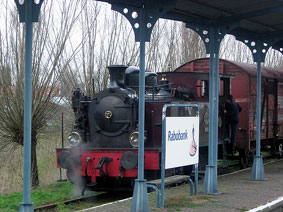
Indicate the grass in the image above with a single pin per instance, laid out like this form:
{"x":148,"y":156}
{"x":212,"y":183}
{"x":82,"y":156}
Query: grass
{"x":52,"y":193}
{"x":177,"y":202}
{"x":263,"y":154}
{"x":243,"y":208}
{"x":74,"y":207}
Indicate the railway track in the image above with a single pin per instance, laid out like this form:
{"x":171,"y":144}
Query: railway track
{"x":100,"y":198}
{"x":52,"y":206}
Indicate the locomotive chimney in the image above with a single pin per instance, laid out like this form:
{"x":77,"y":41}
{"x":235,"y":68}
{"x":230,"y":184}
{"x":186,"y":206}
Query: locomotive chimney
{"x":117,"y":75}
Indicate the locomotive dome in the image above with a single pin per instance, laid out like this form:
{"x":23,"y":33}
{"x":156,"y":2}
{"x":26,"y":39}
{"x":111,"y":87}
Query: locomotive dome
{"x":122,"y":76}
{"x":131,"y":77}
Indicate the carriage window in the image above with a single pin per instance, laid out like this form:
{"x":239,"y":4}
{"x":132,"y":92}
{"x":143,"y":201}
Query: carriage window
{"x":221,"y":88}
{"x":202,"y":88}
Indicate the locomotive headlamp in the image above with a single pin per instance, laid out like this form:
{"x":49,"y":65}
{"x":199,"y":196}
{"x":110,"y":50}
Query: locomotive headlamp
{"x":134,"y":139}
{"x":74,"y":139}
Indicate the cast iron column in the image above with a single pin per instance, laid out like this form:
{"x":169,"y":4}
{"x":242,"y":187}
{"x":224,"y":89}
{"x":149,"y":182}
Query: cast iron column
{"x":140,"y":198}
{"x":210,"y":185}
{"x":142,"y":20}
{"x":259,"y":49}
{"x":29,"y":12}
{"x":258,"y":169}
{"x":212,"y":36}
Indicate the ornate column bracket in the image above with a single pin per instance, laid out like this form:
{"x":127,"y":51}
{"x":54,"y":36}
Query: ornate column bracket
{"x":36,"y":5}
{"x":272,"y":38}
{"x":205,"y":31}
{"x":279,"y":49}
{"x":153,"y":11}
{"x":258,"y":48}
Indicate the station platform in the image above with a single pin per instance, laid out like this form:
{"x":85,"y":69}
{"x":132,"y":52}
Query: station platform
{"x":237,"y":193}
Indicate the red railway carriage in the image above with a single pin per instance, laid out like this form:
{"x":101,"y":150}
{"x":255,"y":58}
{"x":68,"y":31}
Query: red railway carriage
{"x":243,"y":87}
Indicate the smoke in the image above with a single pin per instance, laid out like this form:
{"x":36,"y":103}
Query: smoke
{"x":77,"y":191}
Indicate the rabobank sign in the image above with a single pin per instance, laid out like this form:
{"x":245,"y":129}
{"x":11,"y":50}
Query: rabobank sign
{"x":181,"y":141}
{"x":177,"y":135}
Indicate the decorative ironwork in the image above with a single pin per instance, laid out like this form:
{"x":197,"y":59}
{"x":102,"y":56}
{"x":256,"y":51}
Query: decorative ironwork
{"x":36,"y":5}
{"x":152,"y":11}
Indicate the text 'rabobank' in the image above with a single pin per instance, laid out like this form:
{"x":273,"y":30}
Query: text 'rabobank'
{"x":173,"y":136}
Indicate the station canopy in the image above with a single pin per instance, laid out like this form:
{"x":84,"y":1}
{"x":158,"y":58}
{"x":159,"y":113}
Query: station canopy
{"x":253,"y":19}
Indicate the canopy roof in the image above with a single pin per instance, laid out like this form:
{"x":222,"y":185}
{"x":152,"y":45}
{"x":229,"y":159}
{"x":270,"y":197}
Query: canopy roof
{"x":254,"y":19}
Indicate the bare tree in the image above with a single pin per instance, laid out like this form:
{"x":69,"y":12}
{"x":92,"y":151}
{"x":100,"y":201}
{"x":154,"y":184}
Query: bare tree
{"x":156,"y":48}
{"x":192,"y":45}
{"x":106,"y":38}
{"x":48,"y":46}
{"x":273,"y":59}
{"x":172,"y":44}
{"x":235,"y":50}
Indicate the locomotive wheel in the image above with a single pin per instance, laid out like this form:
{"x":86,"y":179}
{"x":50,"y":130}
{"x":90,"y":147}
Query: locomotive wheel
{"x":74,"y":178}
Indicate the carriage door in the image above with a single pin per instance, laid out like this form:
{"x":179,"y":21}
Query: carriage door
{"x":224,"y":90}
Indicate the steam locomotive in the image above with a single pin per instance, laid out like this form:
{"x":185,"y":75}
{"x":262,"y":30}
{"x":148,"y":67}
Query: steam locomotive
{"x":103,"y":144}
{"x":104,"y":141}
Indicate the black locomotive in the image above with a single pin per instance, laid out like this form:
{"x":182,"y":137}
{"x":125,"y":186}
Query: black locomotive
{"x":103,"y":144}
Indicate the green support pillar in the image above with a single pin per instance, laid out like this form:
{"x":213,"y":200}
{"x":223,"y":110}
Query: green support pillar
{"x":259,"y":49}
{"x":212,"y":36}
{"x":140,"y":198}
{"x":142,"y":20}
{"x":210,"y":185}
{"x":259,"y":52}
{"x":28,"y":12}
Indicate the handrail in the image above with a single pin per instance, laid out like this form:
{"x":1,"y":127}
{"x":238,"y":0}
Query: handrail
{"x":157,"y":193}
